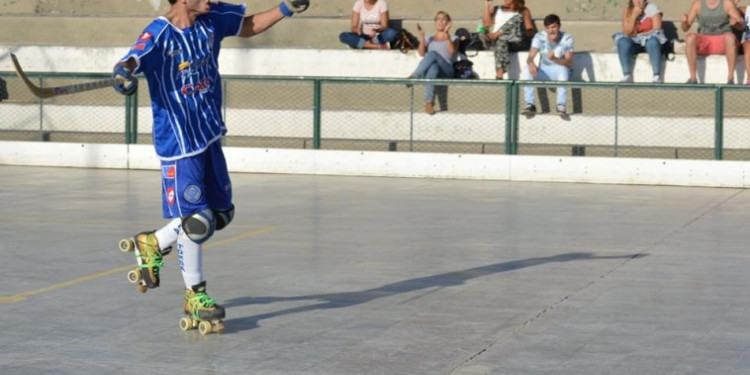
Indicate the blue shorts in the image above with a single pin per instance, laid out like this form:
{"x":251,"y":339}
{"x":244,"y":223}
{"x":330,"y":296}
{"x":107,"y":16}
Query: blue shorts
{"x":195,"y":183}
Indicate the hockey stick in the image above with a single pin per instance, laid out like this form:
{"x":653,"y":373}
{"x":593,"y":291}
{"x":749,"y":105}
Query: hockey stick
{"x":49,"y":92}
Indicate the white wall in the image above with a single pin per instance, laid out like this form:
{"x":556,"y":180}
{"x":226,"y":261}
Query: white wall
{"x":594,"y":67}
{"x":397,"y":164}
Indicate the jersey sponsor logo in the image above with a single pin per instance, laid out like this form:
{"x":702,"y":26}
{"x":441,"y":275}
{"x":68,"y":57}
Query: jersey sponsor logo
{"x":170,"y":196}
{"x":192,"y":194}
{"x":168,"y":171}
{"x":139,"y":47}
{"x":200,"y":87}
{"x":145,"y":36}
{"x":175,"y":52}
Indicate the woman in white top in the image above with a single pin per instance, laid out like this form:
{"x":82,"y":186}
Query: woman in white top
{"x":510,"y":28}
{"x":439,"y":54}
{"x":369,"y":26}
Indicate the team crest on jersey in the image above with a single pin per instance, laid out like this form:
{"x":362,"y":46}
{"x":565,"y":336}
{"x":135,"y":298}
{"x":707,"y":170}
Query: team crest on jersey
{"x":192,"y":194}
{"x":168,"y":171}
{"x":170,"y":196}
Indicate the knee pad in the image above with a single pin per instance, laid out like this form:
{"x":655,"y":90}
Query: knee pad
{"x":224,"y":217}
{"x":199,"y":227}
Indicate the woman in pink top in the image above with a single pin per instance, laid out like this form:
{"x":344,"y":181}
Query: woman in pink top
{"x":369,"y":26}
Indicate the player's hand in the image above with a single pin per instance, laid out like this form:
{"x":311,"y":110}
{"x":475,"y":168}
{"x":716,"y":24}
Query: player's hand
{"x":289,"y":7}
{"x":127,"y":83}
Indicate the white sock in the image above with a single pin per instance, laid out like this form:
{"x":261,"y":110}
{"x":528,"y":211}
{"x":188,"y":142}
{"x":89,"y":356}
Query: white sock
{"x":167,"y":235}
{"x":190,"y":256}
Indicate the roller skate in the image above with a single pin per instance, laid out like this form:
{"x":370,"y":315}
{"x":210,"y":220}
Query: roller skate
{"x":201,"y":311}
{"x":149,"y":259}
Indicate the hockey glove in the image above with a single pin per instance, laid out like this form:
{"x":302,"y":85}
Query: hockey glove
{"x":289,"y":7}
{"x":129,"y":83}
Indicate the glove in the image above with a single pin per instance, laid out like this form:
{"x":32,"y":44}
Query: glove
{"x":289,"y":7}
{"x":129,"y":83}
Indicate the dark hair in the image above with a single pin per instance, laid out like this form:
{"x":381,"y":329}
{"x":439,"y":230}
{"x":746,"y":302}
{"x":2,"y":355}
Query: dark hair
{"x":551,"y":19}
{"x":172,"y":1}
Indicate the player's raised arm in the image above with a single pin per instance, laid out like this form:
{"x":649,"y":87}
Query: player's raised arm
{"x":260,"y":22}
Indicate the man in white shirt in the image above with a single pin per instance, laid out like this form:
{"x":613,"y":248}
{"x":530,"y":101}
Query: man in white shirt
{"x":556,"y":58}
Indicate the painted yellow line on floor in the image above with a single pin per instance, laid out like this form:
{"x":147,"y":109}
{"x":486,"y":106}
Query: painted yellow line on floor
{"x":23,"y":296}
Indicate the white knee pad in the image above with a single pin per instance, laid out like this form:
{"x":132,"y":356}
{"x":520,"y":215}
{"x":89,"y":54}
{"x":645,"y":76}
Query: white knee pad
{"x":200,"y":226}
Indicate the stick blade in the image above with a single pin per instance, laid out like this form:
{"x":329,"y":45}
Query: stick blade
{"x":37,"y":91}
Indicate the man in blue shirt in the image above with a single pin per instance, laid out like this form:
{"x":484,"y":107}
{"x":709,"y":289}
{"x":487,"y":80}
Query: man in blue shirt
{"x":178,"y":54}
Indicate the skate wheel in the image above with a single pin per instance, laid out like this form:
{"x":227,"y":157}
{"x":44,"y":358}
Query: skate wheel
{"x":204,"y":327}
{"x":219,"y":327}
{"x":141,"y":288}
{"x":126,"y":245}
{"x":135,"y":276}
{"x":186,"y":324}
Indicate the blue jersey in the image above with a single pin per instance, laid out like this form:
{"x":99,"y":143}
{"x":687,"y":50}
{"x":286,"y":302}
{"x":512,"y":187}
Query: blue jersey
{"x":182,"y":70}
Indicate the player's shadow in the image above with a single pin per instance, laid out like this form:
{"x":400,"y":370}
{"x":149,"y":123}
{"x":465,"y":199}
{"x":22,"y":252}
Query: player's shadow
{"x":346,"y":299}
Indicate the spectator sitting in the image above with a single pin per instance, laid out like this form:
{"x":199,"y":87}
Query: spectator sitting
{"x":510,"y":27}
{"x":714,"y":37}
{"x":641,"y":32}
{"x":439,"y":53}
{"x":369,"y":26}
{"x":556,"y":58}
{"x":745,"y":40}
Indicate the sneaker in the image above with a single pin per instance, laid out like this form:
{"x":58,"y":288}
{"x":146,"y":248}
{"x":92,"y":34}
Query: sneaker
{"x":730,"y":81}
{"x":199,"y":305}
{"x":656,"y":79}
{"x":429,"y":108}
{"x":747,"y":82}
{"x":627,"y":79}
{"x":529,"y":109}
{"x":385,"y":46}
{"x":691,"y":82}
{"x":560,"y":109}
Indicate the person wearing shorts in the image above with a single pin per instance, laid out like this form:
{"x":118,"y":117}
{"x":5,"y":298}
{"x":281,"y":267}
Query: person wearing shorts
{"x":714,"y":37}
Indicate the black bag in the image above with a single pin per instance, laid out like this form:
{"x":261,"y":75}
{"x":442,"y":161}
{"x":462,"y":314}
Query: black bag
{"x":3,"y":90}
{"x":469,"y":43}
{"x":405,"y":41}
{"x":464,"y":69}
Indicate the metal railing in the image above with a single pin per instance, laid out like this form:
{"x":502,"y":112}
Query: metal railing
{"x":474,"y":116}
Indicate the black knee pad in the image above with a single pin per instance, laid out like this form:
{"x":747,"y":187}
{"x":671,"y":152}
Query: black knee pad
{"x":224,"y":217}
{"x":200,"y":226}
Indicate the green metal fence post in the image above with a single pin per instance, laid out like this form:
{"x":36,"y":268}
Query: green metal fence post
{"x":134,"y":117}
{"x":719,"y":120}
{"x":128,"y":113}
{"x":316,"y":112}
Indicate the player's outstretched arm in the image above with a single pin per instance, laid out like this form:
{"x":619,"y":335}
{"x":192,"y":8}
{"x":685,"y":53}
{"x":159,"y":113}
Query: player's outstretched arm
{"x":260,"y":22}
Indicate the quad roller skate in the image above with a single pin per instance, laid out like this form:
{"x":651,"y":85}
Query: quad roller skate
{"x":149,"y":259}
{"x":201,"y":311}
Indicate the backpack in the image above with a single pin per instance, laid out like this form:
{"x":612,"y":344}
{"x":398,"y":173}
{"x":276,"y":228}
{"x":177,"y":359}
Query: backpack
{"x":469,"y":43}
{"x":463,"y":68}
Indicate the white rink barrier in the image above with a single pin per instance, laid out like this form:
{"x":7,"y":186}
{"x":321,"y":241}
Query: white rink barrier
{"x":397,"y":164}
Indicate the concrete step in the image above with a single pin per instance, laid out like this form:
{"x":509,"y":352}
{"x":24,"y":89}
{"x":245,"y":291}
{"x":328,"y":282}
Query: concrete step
{"x":317,"y":33}
{"x":600,"y":10}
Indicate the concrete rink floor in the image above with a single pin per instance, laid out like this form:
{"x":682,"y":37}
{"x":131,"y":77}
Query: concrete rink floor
{"x":355,"y":275}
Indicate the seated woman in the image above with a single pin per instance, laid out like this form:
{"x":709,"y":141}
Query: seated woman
{"x":744,"y":39}
{"x":439,"y":53}
{"x":511,"y":29}
{"x":369,"y":26}
{"x":641,"y":32}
